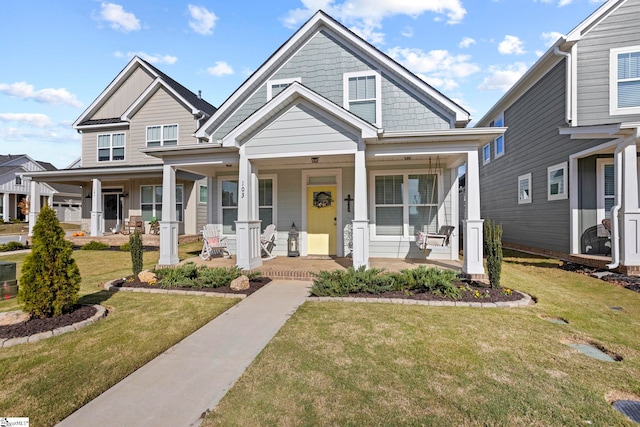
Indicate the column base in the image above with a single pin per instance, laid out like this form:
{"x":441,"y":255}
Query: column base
{"x":248,"y":250}
{"x":168,"y":243}
{"x":472,"y":264}
{"x":360,"y":239}
{"x":630,"y":239}
{"x":96,"y":224}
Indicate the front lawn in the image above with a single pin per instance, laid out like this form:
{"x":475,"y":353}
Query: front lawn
{"x":48,"y":380}
{"x":383,"y":364}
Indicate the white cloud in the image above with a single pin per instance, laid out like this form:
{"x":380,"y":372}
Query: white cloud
{"x":466,"y":42}
{"x":154,"y":59}
{"x":118,"y":19}
{"x":24,"y":90}
{"x":550,"y":38}
{"x":32,"y":119}
{"x":440,"y":83}
{"x":511,"y":45}
{"x":435,"y":63}
{"x":365,"y":16}
{"x":503,"y":78}
{"x":407,"y":32}
{"x":220,"y":69}
{"x":202,"y":21}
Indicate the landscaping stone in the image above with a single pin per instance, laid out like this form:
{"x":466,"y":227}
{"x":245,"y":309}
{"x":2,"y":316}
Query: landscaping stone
{"x":240,"y":283}
{"x":147,"y":276}
{"x":13,"y":317}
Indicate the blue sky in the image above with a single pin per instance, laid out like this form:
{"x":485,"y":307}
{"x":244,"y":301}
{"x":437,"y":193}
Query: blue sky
{"x":58,"y":56}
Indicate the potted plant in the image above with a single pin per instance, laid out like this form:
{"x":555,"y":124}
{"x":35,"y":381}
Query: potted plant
{"x":154,"y":226}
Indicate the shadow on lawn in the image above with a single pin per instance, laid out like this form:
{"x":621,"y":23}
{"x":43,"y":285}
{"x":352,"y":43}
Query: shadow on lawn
{"x":96,"y":298}
{"x":522,"y":258}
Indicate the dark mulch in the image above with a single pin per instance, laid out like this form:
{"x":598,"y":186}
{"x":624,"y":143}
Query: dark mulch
{"x":629,"y":282}
{"x":35,"y":326}
{"x":254,"y":285}
{"x":487,"y":293}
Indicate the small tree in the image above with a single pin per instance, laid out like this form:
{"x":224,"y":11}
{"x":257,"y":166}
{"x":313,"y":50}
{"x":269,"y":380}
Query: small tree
{"x":50,"y":280}
{"x":493,"y":250}
{"x":135,"y":247}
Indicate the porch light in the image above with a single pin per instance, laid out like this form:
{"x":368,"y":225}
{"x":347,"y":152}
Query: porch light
{"x":292,"y":241}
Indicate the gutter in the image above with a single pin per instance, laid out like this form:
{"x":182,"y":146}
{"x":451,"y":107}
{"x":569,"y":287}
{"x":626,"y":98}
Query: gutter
{"x":569,"y":100}
{"x":615,"y":233}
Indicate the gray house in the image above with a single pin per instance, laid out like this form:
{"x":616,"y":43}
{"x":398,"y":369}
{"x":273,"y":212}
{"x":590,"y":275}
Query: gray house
{"x":563,"y":179}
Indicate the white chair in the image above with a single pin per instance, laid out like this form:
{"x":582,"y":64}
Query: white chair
{"x":267,"y":241}
{"x":430,"y":240}
{"x":213,"y":243}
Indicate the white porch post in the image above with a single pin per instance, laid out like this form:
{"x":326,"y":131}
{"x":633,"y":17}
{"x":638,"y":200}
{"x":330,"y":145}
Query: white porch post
{"x":168,"y":225}
{"x":248,"y":251}
{"x":50,"y":201}
{"x":96,"y":208}
{"x":5,"y":207}
{"x":360,"y":231}
{"x":34,"y":205}
{"x":454,"y":242}
{"x":472,"y":264}
{"x":630,"y":211}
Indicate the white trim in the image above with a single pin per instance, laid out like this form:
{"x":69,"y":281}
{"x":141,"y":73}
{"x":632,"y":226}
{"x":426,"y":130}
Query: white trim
{"x":600,"y":206}
{"x":614,"y":110}
{"x":378,"y":99}
{"x":200,"y":202}
{"x":486,"y":159}
{"x":274,"y":197}
{"x":154,"y":202}
{"x":162,"y":138}
{"x":522,"y":201}
{"x":306,"y":173}
{"x":499,"y":118}
{"x":565,"y":191}
{"x":271,"y":83}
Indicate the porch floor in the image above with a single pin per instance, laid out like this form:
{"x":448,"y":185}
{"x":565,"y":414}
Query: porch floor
{"x":595,"y":261}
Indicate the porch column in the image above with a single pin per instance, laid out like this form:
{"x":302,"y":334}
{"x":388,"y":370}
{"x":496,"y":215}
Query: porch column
{"x":168,"y":225}
{"x":34,"y":205}
{"x":96,"y":208}
{"x":454,"y":242}
{"x":5,"y":207}
{"x":248,"y":230}
{"x":630,"y":211}
{"x":360,"y":231}
{"x":50,"y":201}
{"x":472,"y":264}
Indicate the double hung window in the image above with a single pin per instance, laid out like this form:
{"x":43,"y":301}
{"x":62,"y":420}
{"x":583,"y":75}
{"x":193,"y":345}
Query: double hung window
{"x":624,"y":85}
{"x":151,"y":202}
{"x":557,"y":182}
{"x":229,"y":192}
{"x":362,"y":95}
{"x":110,"y":147}
{"x":164,"y":135}
{"x":524,"y":189}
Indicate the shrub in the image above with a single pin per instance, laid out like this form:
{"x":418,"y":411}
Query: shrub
{"x":434,"y":280}
{"x":181,"y":276}
{"x":218,"y":276}
{"x":50,"y":280}
{"x":341,"y":283}
{"x":493,"y":251}
{"x":12,"y":246}
{"x":125,"y":247}
{"x":135,"y":247}
{"x":95,"y":246}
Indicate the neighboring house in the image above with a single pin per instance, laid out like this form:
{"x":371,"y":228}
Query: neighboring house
{"x":331,"y":134}
{"x":15,"y":188}
{"x":142,"y":107}
{"x":569,"y":158}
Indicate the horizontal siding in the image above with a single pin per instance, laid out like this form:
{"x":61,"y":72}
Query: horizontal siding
{"x":90,"y":148}
{"x":619,"y":29}
{"x":126,"y":94}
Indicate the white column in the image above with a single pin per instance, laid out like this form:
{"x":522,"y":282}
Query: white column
{"x":34,"y":205}
{"x":574,"y":209}
{"x":248,"y":230}
{"x":168,"y":225}
{"x":50,"y":201}
{"x":210,"y":205}
{"x":5,"y":207}
{"x":454,"y":194}
{"x":360,"y":212}
{"x":473,"y":226}
{"x":96,"y":208}
{"x":630,"y":211}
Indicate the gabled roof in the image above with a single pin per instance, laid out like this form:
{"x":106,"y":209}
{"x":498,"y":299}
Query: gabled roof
{"x":549,"y":59}
{"x":287,"y":97}
{"x":193,"y":101}
{"x":318,"y":21}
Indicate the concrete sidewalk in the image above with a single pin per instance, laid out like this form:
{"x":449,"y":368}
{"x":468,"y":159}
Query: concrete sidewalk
{"x":176,"y":388}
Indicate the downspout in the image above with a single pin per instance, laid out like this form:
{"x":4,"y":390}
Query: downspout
{"x":615,"y":233}
{"x":567,"y":112}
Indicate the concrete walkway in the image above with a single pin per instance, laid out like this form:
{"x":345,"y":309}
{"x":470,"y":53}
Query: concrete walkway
{"x":178,"y":387}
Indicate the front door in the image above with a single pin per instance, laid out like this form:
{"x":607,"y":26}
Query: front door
{"x":112,"y":211}
{"x":321,"y":220}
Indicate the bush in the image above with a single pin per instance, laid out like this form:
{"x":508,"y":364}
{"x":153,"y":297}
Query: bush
{"x":434,"y":280}
{"x":493,"y":251}
{"x":341,"y":283}
{"x":125,"y":247}
{"x":95,"y":246}
{"x":50,"y":280}
{"x":181,"y":276}
{"x":189,"y":275}
{"x":135,"y":247}
{"x":218,"y":276}
{"x":12,"y":246}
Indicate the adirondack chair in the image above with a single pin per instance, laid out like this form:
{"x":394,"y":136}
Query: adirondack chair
{"x":213,"y":243}
{"x":267,"y":241}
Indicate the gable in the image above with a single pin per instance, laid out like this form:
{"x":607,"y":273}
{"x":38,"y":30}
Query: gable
{"x":124,"y":96}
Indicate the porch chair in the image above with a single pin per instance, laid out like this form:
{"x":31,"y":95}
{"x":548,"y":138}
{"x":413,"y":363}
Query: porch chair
{"x":213,"y":243}
{"x":268,"y":241}
{"x":135,"y":223}
{"x":428,"y":240}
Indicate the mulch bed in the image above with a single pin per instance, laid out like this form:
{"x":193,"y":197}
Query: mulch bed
{"x":629,"y":282}
{"x":254,"y":285}
{"x":35,"y":326}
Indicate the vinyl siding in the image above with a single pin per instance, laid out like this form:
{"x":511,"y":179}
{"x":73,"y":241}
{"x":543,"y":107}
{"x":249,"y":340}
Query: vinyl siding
{"x":619,"y":29}
{"x":125,"y":95}
{"x":90,"y":147}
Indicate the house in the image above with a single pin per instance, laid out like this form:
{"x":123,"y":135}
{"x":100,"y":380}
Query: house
{"x":142,"y":107}
{"x":569,"y":159}
{"x":14,"y":189}
{"x":329,"y":135}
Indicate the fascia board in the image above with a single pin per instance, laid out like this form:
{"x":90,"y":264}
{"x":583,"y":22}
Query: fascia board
{"x":585,"y":26}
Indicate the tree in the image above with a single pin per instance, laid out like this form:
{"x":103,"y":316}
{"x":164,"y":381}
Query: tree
{"x":50,"y":280}
{"x":493,"y":250}
{"x":135,"y":246}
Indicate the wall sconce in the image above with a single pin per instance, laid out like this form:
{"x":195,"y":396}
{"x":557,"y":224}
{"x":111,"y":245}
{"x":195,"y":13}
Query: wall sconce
{"x":407,"y":157}
{"x":228,"y":166}
{"x":125,"y":194}
{"x":314,"y":159}
{"x":88,"y":196}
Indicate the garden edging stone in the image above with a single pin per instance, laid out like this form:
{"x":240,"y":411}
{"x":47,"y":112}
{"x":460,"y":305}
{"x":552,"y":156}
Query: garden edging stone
{"x":109,"y":286}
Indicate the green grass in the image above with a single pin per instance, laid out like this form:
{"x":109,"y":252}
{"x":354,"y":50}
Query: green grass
{"x":48,"y":380}
{"x":23,"y":227}
{"x":383,"y":364}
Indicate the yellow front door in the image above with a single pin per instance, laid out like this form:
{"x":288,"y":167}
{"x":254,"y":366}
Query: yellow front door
{"x":321,"y":220}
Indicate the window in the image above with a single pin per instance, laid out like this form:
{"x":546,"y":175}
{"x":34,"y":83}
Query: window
{"x":410,"y":198}
{"x":486,"y":154}
{"x":151,"y":202}
{"x":557,"y":182}
{"x":18,"y":180}
{"x":274,"y":87}
{"x":362,"y":96}
{"x":229,"y":203}
{"x":110,"y":147}
{"x":524,"y":189}
{"x":624,"y":86}
{"x":164,"y":135}
{"x":606,"y":188}
{"x":498,"y":143}
{"x":203,"y":195}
